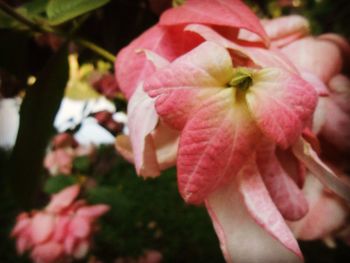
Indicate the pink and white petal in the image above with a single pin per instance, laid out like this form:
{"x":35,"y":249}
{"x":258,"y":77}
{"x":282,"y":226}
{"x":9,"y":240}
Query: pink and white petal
{"x":317,"y":56}
{"x":259,"y":56}
{"x":208,"y":65}
{"x":142,"y":120}
{"x":42,"y":227}
{"x":316,"y":82}
{"x":184,"y":84}
{"x":284,"y":192}
{"x":214,"y":145}
{"x":281,"y":103}
{"x":286,"y":29}
{"x":177,"y":105}
{"x":166,"y":142}
{"x":63,"y":199}
{"x":320,"y":114}
{"x":225,"y":13}
{"x":340,"y":185}
{"x":262,"y":209}
{"x":242,"y":240}
{"x":133,"y":67}
{"x":158,"y":61}
{"x":327,"y":213}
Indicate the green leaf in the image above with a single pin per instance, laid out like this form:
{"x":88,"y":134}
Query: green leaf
{"x":60,"y":11}
{"x":82,"y":164}
{"x":58,"y":183}
{"x":38,"y":111}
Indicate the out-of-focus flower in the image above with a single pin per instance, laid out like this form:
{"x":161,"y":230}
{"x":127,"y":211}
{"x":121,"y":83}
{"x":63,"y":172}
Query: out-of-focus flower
{"x":106,"y":85}
{"x":105,"y":119}
{"x":62,"y":231}
{"x":59,"y":160}
{"x":63,"y":140}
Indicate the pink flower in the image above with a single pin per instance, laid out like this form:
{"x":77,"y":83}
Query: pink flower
{"x":241,"y":110}
{"x":147,"y":143}
{"x":64,"y":150}
{"x":61,"y":231}
{"x":59,"y":161}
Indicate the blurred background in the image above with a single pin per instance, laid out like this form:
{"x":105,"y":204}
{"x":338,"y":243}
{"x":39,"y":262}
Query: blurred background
{"x":85,"y":111}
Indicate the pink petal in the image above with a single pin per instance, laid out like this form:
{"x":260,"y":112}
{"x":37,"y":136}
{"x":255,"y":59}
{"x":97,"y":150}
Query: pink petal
{"x":23,"y":222}
{"x":180,"y":87}
{"x":132,"y":67}
{"x":142,"y":120}
{"x":61,"y":228}
{"x":42,"y":227}
{"x":23,"y":244}
{"x":262,"y":209}
{"x":326,"y":215}
{"x":340,"y":92}
{"x":225,"y":13}
{"x":48,"y":253}
{"x":286,"y":29}
{"x":284,"y":192}
{"x":241,"y":239}
{"x":70,"y":243}
{"x":214,"y":145}
{"x":317,"y":56}
{"x":281,"y":104}
{"x":63,"y":199}
{"x":259,"y":56}
{"x":93,"y":211}
{"x":80,"y":227}
{"x":166,"y":143}
{"x":316,"y":82}
{"x":340,"y":185}
{"x":336,"y":128}
{"x":340,"y":42}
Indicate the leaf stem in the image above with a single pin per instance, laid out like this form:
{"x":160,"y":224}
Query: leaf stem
{"x":95,"y":48}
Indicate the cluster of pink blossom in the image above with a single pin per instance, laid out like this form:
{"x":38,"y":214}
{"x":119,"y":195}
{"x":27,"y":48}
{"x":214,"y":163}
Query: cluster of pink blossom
{"x":60,"y":232}
{"x":244,"y":108}
{"x":64,"y":150}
